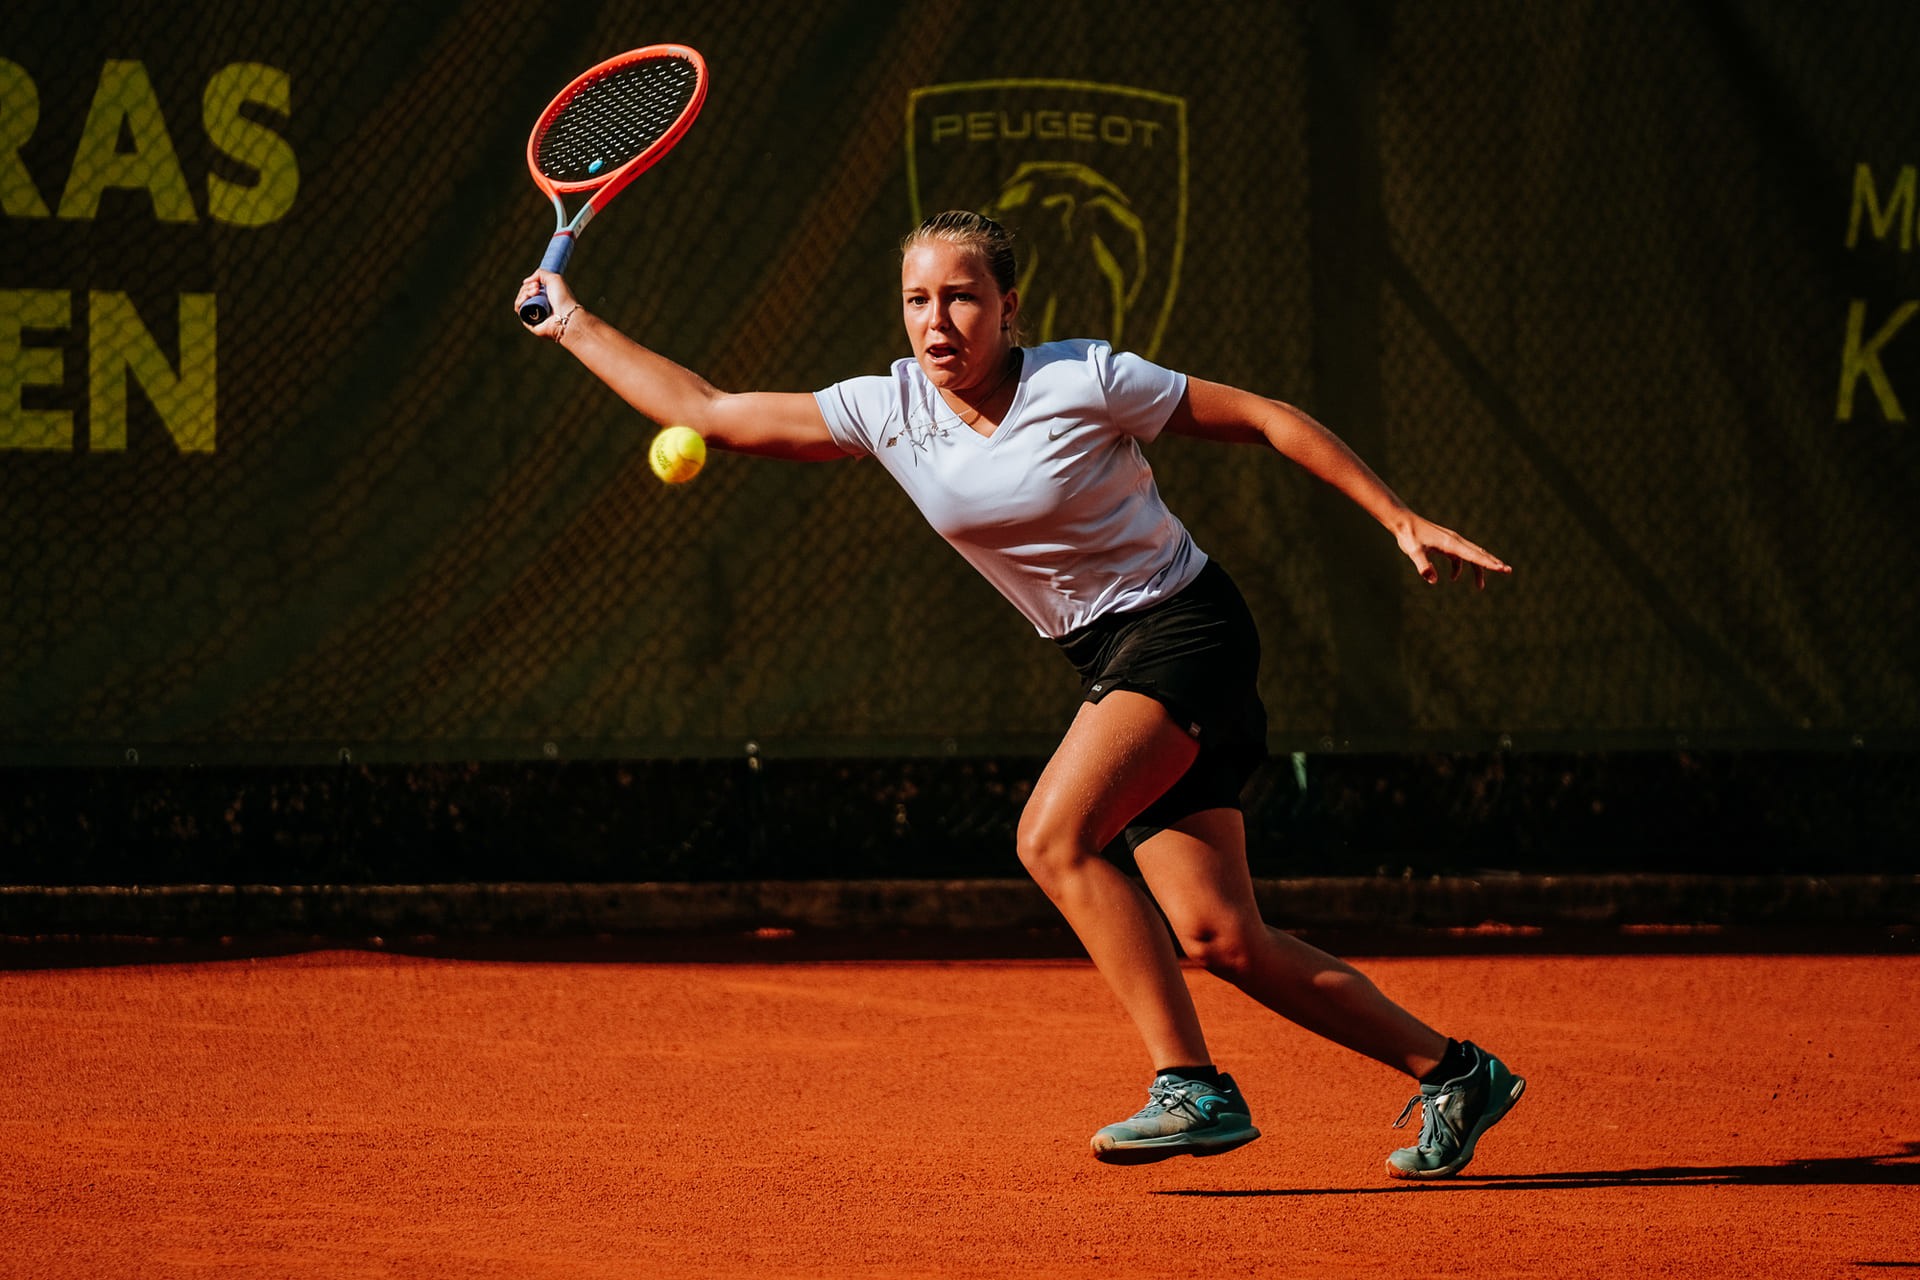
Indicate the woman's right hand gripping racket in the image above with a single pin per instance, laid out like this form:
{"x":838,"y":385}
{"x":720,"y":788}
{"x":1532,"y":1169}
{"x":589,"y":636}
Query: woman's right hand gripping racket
{"x":603,"y":131}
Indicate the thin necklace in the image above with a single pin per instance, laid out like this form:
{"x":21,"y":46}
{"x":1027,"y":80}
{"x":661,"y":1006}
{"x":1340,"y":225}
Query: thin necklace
{"x":1013,"y":362}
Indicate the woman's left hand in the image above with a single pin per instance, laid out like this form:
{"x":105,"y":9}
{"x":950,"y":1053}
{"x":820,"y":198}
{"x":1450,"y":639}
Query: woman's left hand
{"x":1422,"y":540}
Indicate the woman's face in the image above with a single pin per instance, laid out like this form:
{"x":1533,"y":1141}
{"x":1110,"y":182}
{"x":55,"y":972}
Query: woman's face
{"x":957,"y":318}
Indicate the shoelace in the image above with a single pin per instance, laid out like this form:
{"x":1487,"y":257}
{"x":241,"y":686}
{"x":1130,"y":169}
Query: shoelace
{"x":1429,"y":1115}
{"x":1168,"y":1099}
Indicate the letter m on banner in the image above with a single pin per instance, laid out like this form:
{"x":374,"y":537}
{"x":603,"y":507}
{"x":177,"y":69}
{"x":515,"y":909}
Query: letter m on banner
{"x":1091,"y":179}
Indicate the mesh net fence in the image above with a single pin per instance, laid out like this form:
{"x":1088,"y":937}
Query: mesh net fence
{"x":281,"y":476}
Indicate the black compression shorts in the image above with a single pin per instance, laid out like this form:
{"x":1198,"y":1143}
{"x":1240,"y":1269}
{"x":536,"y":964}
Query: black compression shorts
{"x":1197,"y":653}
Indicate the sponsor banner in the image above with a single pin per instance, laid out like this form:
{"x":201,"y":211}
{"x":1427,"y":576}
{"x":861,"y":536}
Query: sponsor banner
{"x":1092,"y":180}
{"x":282,"y":477}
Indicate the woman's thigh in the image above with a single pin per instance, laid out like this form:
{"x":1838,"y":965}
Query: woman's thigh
{"x":1119,"y":755}
{"x":1197,"y":871}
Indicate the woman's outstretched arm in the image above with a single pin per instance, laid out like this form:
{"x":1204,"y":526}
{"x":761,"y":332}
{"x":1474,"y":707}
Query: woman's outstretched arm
{"x":1214,"y":411}
{"x":772,"y":424}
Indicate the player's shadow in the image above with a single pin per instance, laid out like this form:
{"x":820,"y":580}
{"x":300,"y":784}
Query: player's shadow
{"x":1898,"y":1168}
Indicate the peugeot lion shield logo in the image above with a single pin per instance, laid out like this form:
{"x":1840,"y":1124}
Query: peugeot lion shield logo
{"x":1091,"y":179}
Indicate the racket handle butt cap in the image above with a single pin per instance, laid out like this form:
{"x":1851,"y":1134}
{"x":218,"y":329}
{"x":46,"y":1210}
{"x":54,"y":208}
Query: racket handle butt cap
{"x":535,"y":309}
{"x":559,"y":250}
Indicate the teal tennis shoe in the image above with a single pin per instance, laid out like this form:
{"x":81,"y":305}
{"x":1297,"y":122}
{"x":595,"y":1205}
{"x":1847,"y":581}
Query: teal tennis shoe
{"x":1455,"y":1115}
{"x":1182,"y":1118}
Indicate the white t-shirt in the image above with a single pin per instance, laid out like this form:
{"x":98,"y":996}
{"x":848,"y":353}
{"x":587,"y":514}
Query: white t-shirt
{"x":1057,"y":507}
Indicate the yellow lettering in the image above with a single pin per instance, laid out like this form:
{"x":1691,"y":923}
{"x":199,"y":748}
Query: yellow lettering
{"x":1049,"y":125}
{"x":19,"y":117}
{"x":1866,"y":199}
{"x":22,"y":367}
{"x":125,"y":100}
{"x":1857,"y":361}
{"x":251,"y":144}
{"x":120,"y":348}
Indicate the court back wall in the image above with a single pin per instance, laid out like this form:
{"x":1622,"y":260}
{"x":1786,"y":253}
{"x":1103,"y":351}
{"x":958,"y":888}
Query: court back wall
{"x":1622,"y":290}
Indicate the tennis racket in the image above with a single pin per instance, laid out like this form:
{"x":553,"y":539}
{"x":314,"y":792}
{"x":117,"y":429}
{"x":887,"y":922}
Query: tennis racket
{"x":604,"y":130}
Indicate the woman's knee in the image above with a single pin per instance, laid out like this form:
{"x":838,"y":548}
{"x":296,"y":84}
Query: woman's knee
{"x":1050,"y":846}
{"x":1224,"y":946}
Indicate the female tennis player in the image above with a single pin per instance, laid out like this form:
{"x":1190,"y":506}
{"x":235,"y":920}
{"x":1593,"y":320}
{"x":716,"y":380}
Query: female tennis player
{"x":1027,"y":460}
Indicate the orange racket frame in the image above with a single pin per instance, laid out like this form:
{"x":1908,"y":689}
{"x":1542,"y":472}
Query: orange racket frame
{"x":603,"y":186}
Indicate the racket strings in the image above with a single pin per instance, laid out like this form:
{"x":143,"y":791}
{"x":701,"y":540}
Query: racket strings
{"x":614,"y":118}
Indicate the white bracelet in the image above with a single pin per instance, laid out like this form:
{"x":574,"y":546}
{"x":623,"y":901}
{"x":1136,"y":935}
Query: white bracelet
{"x":560,"y":326}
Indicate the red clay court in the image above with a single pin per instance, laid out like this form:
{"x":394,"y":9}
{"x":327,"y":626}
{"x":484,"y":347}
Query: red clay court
{"x":361,"y":1113}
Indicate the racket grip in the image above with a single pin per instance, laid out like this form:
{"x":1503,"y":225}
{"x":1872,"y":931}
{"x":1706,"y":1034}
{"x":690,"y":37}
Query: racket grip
{"x":559,"y":250}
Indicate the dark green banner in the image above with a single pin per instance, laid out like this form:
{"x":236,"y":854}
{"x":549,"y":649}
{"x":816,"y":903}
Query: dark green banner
{"x":1625,"y":292}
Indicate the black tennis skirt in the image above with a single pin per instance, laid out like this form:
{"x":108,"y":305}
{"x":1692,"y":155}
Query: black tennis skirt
{"x":1197,"y":653}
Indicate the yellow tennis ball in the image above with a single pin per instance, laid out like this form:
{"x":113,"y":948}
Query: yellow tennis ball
{"x":677,"y":454}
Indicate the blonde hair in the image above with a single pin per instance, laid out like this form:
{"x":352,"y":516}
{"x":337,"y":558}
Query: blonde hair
{"x":976,"y":231}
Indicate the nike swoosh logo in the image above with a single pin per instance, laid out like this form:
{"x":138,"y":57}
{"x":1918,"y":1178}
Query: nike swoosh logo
{"x":1055,"y":435}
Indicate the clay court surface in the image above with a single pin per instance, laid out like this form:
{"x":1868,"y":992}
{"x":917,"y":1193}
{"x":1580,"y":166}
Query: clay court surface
{"x":359,"y":1113}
